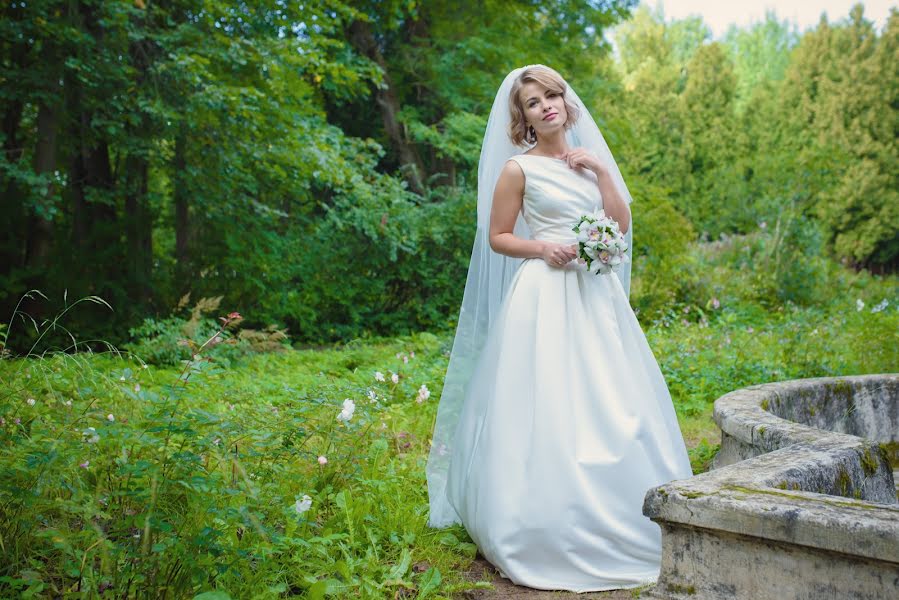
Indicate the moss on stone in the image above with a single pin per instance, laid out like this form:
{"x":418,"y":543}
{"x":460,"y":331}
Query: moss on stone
{"x":749,"y":490}
{"x":843,"y":481}
{"x":676,"y":588}
{"x":870,"y":463}
{"x":764,"y":404}
{"x":806,"y":499}
{"x":891,"y":450}
{"x":788,"y":485}
{"x":692,"y":495}
{"x":841,"y":388}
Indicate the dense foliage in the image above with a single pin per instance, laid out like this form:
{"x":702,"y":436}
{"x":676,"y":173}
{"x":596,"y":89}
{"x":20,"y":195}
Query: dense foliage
{"x":246,"y":474}
{"x":314,"y":163}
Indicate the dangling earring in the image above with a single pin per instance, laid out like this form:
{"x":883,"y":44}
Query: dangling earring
{"x":532,"y":135}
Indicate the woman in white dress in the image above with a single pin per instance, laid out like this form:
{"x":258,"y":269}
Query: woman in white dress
{"x":554,"y":419}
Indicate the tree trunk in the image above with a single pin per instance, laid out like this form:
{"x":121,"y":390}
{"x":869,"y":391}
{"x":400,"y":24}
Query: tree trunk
{"x":40,"y":224}
{"x":93,"y":210}
{"x":182,"y":213}
{"x":12,"y":208}
{"x":362,"y":38}
{"x":139,"y":229}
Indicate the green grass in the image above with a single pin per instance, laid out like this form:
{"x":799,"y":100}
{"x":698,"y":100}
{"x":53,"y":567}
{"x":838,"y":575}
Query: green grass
{"x":193,"y":484}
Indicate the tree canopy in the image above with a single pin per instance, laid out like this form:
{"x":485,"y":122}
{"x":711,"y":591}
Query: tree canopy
{"x":315,"y":163}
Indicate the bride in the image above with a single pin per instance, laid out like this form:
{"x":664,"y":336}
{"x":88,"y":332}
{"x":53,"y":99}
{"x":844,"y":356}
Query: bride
{"x":554,"y":419}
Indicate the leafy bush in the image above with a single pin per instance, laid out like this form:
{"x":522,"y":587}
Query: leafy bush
{"x":790,"y":266}
{"x":664,"y":270}
{"x":737,"y":340}
{"x":172,"y":340}
{"x":778,"y":263}
{"x":403,"y":271}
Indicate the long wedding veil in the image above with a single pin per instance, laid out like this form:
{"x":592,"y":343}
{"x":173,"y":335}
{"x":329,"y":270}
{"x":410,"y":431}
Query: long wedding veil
{"x":489,"y":275}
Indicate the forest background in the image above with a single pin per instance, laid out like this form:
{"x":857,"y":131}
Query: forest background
{"x":315,"y":164}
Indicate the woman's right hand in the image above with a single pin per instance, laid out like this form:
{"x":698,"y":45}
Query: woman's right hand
{"x":558,"y":255}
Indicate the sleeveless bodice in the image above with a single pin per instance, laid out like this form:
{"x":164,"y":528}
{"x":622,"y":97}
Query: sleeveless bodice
{"x":555,"y":196}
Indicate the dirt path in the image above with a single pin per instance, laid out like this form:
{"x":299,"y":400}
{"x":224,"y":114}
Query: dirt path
{"x":481,"y":570}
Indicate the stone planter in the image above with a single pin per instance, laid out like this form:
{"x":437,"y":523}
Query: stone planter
{"x":801,"y":501}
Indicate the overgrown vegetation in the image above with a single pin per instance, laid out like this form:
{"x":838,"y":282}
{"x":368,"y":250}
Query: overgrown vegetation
{"x":248,"y":474}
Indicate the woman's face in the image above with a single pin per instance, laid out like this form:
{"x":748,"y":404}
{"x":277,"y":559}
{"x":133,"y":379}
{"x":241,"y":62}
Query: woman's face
{"x":544,"y":109}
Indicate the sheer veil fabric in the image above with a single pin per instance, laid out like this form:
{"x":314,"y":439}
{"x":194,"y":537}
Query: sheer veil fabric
{"x":489,"y":275}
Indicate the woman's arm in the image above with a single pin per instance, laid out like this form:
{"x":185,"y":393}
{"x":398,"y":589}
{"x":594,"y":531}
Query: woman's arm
{"x":612,"y":202}
{"x":614,"y":205}
{"x":507,"y":198}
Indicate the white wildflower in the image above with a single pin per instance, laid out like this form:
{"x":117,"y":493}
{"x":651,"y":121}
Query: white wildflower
{"x":859,"y":305}
{"x":379,"y":376}
{"x":881,"y":306}
{"x":394,"y":378}
{"x":347,"y":413}
{"x":423,"y":394}
{"x":303,"y":504}
{"x":90,"y":435}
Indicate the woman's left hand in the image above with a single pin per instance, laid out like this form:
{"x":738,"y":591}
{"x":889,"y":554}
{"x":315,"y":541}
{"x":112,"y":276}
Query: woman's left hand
{"x":581,"y":157}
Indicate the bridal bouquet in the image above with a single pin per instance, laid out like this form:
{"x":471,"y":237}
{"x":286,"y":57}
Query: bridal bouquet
{"x":600,"y":243}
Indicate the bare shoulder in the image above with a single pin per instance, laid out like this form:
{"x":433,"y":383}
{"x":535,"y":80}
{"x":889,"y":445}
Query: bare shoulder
{"x":512,"y":176}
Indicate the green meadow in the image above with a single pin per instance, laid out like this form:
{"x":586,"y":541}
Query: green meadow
{"x":225,"y":469}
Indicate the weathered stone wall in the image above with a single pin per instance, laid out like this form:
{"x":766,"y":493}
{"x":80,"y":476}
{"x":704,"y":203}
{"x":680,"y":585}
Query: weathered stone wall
{"x":859,"y":415}
{"x":789,"y":511}
{"x":742,"y":567}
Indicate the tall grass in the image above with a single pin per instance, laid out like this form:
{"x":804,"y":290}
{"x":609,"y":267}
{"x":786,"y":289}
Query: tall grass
{"x":245,"y":474}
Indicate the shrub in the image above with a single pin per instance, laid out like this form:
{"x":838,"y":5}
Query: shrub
{"x":174,"y":339}
{"x":664,"y":271}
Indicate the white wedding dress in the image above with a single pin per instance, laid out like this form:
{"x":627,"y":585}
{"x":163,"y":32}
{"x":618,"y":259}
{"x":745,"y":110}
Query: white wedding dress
{"x":567,"y":421}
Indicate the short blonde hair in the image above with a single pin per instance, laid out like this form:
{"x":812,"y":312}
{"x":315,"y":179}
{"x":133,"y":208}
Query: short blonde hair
{"x":551,"y":80}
